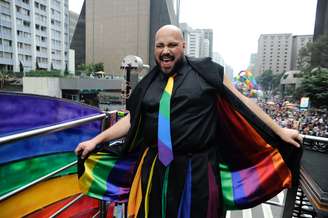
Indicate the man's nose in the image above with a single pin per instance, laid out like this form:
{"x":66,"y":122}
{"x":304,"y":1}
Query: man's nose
{"x":166,"y":49}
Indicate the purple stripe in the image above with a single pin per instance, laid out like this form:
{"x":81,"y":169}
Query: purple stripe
{"x":213,"y":194}
{"x":251,"y":181}
{"x":165,"y":153}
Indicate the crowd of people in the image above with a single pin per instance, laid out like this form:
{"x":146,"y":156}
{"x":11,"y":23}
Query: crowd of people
{"x":308,"y":122}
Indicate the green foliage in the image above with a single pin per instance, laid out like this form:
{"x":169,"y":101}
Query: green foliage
{"x":44,"y":73}
{"x":269,"y":81}
{"x":315,"y":86}
{"x":88,"y":69}
{"x":313,"y":60}
{"x":99,"y":67}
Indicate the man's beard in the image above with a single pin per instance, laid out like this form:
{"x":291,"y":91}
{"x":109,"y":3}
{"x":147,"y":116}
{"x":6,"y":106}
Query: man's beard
{"x":175,"y":68}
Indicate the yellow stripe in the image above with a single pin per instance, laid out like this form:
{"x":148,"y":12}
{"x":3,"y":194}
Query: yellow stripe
{"x":135,"y":196}
{"x":150,"y":178}
{"x":39,"y":196}
{"x":169,"y":85}
{"x":86,"y":179}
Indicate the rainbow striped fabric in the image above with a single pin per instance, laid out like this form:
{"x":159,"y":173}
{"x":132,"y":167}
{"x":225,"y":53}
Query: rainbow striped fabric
{"x":251,"y":170}
{"x":106,"y":176}
{"x":164,"y":143}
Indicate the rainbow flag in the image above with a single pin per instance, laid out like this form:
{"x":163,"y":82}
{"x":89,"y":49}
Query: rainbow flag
{"x":106,"y":176}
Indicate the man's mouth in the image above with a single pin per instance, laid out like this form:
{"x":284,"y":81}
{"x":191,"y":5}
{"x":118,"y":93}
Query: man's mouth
{"x":166,"y":58}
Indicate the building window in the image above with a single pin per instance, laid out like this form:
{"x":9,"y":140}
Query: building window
{"x":26,"y":23}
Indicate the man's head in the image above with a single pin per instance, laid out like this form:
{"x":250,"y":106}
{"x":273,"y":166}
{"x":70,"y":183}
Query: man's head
{"x":169,"y":47}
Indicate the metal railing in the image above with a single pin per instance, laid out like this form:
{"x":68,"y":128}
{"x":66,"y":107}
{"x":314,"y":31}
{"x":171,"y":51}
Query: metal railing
{"x":50,"y":129}
{"x":45,"y":130}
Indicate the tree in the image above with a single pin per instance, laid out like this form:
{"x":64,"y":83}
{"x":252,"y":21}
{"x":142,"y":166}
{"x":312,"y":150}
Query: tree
{"x":313,"y":60}
{"x":315,"y":86}
{"x":269,"y":81}
{"x":99,"y":67}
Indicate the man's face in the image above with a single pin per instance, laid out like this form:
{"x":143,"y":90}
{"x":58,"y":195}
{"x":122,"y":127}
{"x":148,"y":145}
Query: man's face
{"x":169,"y":49}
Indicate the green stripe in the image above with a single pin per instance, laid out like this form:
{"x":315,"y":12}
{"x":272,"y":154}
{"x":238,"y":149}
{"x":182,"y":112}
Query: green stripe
{"x":164,"y":191}
{"x":17,"y":174}
{"x":100,"y":173}
{"x":165,"y":105}
{"x":226,"y":185}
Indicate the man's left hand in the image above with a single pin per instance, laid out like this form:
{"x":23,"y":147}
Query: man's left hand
{"x":291,"y":136}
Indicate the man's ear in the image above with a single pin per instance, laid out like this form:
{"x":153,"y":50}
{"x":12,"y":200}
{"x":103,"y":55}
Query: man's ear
{"x":184,"y":45}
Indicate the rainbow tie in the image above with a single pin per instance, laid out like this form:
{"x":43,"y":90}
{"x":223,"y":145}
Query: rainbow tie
{"x":164,"y":142}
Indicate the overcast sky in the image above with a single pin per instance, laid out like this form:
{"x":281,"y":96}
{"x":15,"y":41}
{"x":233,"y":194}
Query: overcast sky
{"x":237,"y":24}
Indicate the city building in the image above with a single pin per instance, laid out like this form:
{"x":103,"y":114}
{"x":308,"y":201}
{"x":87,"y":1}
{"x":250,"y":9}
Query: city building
{"x":321,"y":19}
{"x":107,"y":31}
{"x":218,"y":58}
{"x":33,"y":35}
{"x":321,"y":24}
{"x":199,"y":41}
{"x":252,"y":63}
{"x":279,"y":52}
{"x":299,"y":42}
{"x":73,"y":18}
{"x":274,"y":53}
{"x":290,"y":81}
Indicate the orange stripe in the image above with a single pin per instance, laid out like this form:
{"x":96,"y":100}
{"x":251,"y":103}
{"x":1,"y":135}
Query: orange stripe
{"x":135,"y":196}
{"x":282,"y":169}
{"x":39,"y":196}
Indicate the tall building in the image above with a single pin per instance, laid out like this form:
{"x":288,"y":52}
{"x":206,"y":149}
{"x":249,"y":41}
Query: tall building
{"x":208,"y":34}
{"x":33,"y":34}
{"x":252,"y":63}
{"x":218,"y":58}
{"x":73,"y":18}
{"x":279,"y":52}
{"x":274,"y":53}
{"x":199,"y":41}
{"x":321,"y":24}
{"x":111,"y":30}
{"x":299,"y":42}
{"x":321,"y":19}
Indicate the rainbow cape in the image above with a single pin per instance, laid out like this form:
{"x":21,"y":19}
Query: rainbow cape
{"x":254,"y":166}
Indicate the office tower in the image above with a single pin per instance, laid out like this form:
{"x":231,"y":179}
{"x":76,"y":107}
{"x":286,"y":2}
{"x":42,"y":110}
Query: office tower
{"x":321,"y":19}
{"x":73,"y":18}
{"x":274,"y":53}
{"x":107,"y":31}
{"x":199,"y":41}
{"x":33,"y":35}
{"x":299,"y":41}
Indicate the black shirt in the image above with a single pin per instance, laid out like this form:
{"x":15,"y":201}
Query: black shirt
{"x":193,"y":111}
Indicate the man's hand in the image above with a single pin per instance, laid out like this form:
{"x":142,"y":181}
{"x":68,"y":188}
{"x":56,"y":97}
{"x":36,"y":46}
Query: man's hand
{"x":84,"y":148}
{"x":291,"y":136}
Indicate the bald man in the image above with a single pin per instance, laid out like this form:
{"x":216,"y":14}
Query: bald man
{"x":183,"y":179}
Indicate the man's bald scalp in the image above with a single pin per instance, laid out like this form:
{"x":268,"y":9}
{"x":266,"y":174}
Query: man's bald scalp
{"x":172,"y":28}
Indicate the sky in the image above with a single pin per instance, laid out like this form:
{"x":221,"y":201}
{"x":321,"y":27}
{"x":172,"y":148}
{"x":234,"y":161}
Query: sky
{"x":238,"y":24}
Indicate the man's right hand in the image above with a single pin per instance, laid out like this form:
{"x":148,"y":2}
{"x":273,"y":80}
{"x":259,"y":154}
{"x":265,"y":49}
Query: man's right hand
{"x":84,"y":148}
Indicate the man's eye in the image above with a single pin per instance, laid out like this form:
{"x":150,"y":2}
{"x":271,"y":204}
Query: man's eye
{"x":172,"y":45}
{"x":159,"y":46}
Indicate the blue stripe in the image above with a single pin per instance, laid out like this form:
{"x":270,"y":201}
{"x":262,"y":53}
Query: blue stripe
{"x":239,"y":194}
{"x":164,"y":133}
{"x":185,"y":202}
